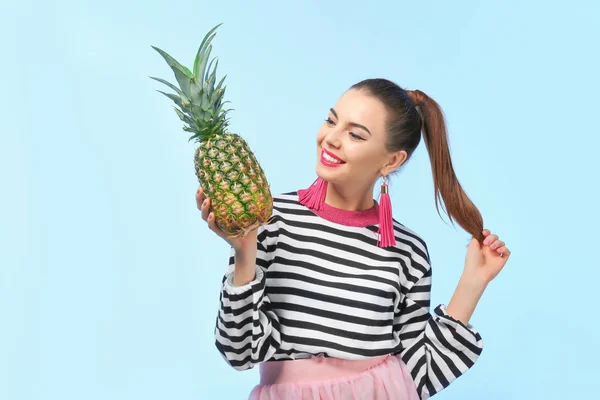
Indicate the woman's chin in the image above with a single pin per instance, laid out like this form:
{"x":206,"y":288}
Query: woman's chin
{"x":328,"y":174}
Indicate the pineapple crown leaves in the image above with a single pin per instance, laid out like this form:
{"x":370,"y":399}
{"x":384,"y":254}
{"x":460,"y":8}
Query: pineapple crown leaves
{"x":199,"y":102}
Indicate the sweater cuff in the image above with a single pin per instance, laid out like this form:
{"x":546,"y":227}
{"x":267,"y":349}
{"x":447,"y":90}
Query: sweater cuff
{"x":442,"y":314}
{"x":230,"y":288}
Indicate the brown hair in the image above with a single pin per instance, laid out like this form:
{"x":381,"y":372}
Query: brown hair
{"x":411,"y":112}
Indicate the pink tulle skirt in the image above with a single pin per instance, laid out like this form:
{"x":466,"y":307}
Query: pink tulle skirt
{"x":382,"y":378}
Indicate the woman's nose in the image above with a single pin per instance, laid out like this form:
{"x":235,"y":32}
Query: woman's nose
{"x":333,"y":139}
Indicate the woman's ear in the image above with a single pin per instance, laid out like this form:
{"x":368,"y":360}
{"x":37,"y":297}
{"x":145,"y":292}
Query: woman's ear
{"x":395,"y":160}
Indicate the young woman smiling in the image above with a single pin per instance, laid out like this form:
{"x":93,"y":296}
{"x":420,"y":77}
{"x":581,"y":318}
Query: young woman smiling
{"x":332,"y":297}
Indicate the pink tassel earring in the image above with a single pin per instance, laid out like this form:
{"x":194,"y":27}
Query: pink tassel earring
{"x":386,"y":224}
{"x":314,"y":196}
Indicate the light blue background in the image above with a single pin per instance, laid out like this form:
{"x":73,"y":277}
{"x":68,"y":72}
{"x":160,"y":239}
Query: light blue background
{"x":109,"y":280}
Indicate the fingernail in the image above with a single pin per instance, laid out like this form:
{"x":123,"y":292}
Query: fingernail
{"x":203,"y":203}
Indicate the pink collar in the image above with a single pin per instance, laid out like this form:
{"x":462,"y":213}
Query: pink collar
{"x":348,"y":217}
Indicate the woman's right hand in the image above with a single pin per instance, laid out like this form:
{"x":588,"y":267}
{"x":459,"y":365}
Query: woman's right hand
{"x":239,"y":244}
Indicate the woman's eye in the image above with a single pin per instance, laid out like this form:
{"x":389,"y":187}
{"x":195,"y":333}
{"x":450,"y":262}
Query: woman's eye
{"x":330,"y":121}
{"x":355,"y":136}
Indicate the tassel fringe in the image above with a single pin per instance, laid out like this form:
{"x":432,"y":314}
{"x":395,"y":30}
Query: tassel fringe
{"x":386,"y":224}
{"x":314,"y":196}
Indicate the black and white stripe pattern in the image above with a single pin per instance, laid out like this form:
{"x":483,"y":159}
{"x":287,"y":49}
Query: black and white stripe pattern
{"x":323,"y":288}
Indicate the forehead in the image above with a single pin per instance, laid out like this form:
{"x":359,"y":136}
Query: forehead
{"x":360,"y":107}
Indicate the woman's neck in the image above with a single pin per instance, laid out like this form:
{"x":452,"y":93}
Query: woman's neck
{"x":350,"y":199}
{"x":350,"y":209}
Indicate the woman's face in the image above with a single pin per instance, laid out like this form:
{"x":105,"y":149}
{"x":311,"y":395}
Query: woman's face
{"x":351,"y":142}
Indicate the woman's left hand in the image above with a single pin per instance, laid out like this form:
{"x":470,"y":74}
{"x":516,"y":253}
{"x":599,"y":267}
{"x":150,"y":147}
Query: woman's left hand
{"x":484,"y":263}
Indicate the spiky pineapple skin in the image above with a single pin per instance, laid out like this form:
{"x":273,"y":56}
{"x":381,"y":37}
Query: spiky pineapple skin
{"x":235,"y":182}
{"x":225,"y":166}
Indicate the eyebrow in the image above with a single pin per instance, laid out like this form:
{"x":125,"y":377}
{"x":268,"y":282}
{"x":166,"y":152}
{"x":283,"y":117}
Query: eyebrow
{"x":352,"y":123}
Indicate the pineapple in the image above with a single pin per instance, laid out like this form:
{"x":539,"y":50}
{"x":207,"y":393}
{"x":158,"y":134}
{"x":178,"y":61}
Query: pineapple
{"x":226,"y":168}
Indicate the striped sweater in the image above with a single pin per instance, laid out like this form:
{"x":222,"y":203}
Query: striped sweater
{"x":324,"y":288}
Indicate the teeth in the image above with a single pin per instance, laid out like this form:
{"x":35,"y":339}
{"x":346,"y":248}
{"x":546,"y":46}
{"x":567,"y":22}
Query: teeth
{"x":330,"y":159}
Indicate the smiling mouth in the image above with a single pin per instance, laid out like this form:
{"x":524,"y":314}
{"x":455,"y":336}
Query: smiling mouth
{"x":330,"y":160}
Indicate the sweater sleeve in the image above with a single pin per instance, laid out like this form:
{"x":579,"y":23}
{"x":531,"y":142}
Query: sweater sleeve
{"x":436,"y":348}
{"x":247,"y":330}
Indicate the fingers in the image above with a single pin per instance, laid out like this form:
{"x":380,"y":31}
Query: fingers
{"x":203,"y":204}
{"x":211,"y":223}
{"x":503,"y":252}
{"x":205,"y":208}
{"x":495,"y":243}
{"x":199,"y":197}
{"x":490,"y":239}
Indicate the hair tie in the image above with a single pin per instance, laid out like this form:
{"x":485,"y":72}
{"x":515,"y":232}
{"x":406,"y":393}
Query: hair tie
{"x":418,"y":97}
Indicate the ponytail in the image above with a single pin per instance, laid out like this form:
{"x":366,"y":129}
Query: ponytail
{"x":411,"y":112}
{"x":457,"y":204}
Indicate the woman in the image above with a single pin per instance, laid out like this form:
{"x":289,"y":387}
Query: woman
{"x":332,"y":297}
